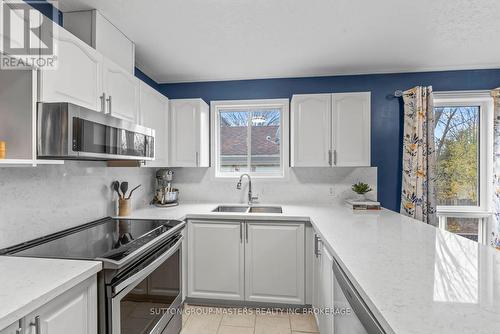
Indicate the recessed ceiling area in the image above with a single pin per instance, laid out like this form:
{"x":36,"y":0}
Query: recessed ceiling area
{"x":207,"y":40}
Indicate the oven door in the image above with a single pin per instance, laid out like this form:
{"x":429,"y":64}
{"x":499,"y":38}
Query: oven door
{"x":147,"y":298}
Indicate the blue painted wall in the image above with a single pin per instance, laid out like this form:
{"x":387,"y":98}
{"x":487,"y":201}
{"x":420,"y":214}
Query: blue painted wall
{"x":386,"y":129}
{"x":142,"y":76}
{"x":48,"y":10}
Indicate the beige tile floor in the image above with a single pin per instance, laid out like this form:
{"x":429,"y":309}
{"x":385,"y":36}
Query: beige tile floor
{"x":214,"y":320}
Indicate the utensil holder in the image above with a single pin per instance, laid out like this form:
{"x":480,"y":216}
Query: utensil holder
{"x":3,"y":150}
{"x":124,"y":207}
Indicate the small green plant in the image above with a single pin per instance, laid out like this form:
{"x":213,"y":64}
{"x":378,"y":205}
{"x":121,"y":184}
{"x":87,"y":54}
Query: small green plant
{"x":361,"y":188}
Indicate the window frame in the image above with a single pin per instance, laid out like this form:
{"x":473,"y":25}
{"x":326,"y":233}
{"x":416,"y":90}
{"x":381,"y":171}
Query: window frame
{"x":283,"y":104}
{"x":482,"y":211}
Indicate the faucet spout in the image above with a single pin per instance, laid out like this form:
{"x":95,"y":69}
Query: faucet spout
{"x":251,"y":198}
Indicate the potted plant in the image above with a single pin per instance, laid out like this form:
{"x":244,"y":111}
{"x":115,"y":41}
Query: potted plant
{"x":361,"y":189}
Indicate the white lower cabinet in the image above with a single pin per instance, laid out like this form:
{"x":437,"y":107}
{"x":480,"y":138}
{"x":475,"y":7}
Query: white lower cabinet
{"x":274,"y":262}
{"x":15,"y":328}
{"x":323,"y":281}
{"x":251,"y":261}
{"x":215,"y":260}
{"x":75,"y":311}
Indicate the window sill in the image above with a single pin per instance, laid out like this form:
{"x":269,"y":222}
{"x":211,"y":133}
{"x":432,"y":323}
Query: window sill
{"x":463,"y":213}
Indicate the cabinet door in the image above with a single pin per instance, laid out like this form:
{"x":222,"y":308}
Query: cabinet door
{"x":74,"y":311}
{"x":77,"y":78}
{"x":274,"y":262}
{"x":15,"y":328}
{"x":154,"y":114}
{"x":122,"y":92}
{"x":351,"y":129}
{"x":316,"y":273}
{"x":311,"y":122}
{"x":326,"y":291}
{"x":215,"y":260}
{"x":190,"y":133}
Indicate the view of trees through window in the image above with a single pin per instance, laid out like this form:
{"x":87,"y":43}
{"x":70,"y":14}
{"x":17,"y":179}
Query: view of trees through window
{"x":250,"y":140}
{"x":457,"y":153}
{"x":465,"y":227}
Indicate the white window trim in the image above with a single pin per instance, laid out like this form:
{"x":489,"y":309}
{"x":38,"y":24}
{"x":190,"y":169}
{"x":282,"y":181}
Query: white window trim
{"x":483,"y":210}
{"x":284,"y":104}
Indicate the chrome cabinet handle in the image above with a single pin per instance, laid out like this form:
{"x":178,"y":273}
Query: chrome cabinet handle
{"x":36,"y":324}
{"x":110,"y":101}
{"x":246,"y":232}
{"x":241,"y":233}
{"x":335,"y":157}
{"x":197,"y":157}
{"x":317,"y":240}
{"x":103,"y":102}
{"x":330,"y":157}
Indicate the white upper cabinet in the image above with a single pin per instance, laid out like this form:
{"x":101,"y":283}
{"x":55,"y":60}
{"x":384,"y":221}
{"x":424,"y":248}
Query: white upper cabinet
{"x":95,"y":30}
{"x":154,"y":115}
{"x":215,"y":260}
{"x":274,"y":262}
{"x":122,"y":92}
{"x":351,"y":129}
{"x":78,"y":76}
{"x":331,"y":130}
{"x":189,"y":120}
{"x":311,"y":119}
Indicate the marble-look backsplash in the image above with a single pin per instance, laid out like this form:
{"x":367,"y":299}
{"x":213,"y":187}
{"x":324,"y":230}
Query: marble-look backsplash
{"x":304,"y":185}
{"x":46,"y":199}
{"x":38,"y":201}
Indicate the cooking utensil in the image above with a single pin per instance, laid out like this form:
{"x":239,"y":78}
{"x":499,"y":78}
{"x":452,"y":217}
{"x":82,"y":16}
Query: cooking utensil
{"x":116,"y":187}
{"x":131,"y":191}
{"x":124,"y":188}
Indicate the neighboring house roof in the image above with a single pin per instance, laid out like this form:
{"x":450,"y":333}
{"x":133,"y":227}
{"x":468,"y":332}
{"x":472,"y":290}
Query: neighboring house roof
{"x":234,"y":140}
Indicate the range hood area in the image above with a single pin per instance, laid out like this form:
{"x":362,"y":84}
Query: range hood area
{"x":67,"y":131}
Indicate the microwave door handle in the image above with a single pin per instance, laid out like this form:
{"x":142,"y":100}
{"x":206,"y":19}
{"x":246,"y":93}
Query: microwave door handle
{"x":133,"y":280}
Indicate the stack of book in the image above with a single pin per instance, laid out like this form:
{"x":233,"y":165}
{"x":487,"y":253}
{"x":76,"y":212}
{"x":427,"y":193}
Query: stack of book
{"x":363,"y":204}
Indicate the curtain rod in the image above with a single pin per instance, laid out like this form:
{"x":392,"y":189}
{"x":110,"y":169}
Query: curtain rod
{"x":398,"y":93}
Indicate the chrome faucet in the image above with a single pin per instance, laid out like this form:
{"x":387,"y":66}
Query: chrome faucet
{"x":251,"y":198}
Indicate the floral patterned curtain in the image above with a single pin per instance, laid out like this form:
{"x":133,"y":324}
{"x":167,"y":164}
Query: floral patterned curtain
{"x":495,"y":240}
{"x":418,"y":198}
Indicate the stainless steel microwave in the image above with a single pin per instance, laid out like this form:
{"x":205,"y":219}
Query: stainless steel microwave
{"x":68,"y":131}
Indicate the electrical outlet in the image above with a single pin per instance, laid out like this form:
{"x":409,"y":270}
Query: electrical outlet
{"x":332,"y":191}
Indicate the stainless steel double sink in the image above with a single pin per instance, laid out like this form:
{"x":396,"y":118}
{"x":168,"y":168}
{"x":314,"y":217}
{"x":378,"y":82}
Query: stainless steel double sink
{"x":248,"y":209}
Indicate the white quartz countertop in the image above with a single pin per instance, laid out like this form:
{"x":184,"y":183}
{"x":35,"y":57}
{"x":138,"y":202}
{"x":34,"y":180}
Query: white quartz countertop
{"x":28,"y":283}
{"x":415,"y":278}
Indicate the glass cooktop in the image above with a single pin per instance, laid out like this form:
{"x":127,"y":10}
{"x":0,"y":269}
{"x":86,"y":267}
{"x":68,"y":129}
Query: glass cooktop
{"x":112,"y":239}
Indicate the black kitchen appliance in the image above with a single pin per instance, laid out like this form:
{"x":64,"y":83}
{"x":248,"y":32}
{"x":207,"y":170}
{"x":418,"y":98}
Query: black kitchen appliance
{"x":140,"y":287}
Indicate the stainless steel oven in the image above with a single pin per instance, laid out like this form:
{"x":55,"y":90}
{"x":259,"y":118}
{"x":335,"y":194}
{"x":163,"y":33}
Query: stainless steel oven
{"x":68,"y":131}
{"x":147,"y":297}
{"x":140,"y":286}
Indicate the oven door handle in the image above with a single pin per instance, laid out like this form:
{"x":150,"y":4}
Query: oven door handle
{"x":140,"y":276}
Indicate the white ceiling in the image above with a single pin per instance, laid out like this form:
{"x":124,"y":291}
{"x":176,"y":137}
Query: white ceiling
{"x":204,"y":40}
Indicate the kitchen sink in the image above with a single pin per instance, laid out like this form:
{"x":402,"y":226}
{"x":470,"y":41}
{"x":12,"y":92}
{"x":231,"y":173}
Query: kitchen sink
{"x":228,"y":208}
{"x":248,"y":209}
{"x":265,"y":209}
